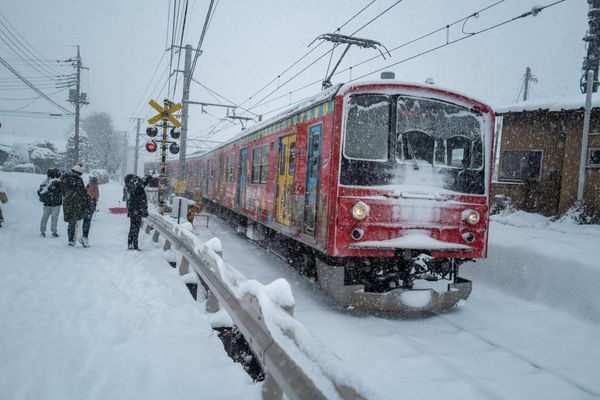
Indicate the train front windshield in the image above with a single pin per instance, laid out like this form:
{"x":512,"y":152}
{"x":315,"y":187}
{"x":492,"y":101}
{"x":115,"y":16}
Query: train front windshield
{"x":412,"y":141}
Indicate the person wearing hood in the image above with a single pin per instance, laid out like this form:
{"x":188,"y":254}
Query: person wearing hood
{"x":137,"y":207}
{"x":50,"y":195}
{"x":94,"y":193}
{"x":76,"y":201}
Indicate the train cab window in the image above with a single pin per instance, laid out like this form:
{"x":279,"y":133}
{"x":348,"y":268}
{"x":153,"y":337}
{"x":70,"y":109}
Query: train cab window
{"x":419,"y":147}
{"x":367,"y":127}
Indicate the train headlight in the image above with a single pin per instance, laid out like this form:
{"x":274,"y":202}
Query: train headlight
{"x":470,"y":216}
{"x":360,"y":210}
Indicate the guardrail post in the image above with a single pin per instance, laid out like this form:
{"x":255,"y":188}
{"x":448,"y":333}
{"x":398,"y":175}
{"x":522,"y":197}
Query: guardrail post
{"x":212,"y":303}
{"x":155,"y":236}
{"x":184,"y":267}
{"x":270,"y":388}
{"x":148,"y":227}
{"x":167,"y":245}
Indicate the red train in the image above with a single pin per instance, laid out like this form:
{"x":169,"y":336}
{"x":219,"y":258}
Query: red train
{"x":382,"y":186}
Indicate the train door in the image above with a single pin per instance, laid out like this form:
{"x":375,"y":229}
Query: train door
{"x":242,"y":178}
{"x":313,"y":172}
{"x":285,"y":178}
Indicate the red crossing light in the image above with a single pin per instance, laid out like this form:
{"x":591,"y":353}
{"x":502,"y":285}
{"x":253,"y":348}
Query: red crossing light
{"x":151,"y":147}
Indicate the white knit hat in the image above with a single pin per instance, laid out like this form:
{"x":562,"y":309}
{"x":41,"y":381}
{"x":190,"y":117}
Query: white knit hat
{"x":77,"y":168}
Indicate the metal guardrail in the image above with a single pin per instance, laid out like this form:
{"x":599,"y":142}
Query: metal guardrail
{"x":299,"y":376}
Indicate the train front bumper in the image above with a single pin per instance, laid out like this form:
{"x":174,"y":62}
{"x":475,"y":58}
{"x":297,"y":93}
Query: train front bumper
{"x":411,"y":302}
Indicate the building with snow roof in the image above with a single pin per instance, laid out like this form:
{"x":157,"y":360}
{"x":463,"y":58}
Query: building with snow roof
{"x":538,"y":150}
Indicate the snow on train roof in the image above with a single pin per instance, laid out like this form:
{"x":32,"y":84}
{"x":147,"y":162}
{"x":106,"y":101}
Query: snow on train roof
{"x":550,"y":104}
{"x":339,"y":88}
{"x":319,"y":97}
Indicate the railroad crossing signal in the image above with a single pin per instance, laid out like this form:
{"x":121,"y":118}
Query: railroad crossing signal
{"x":165,"y":112}
{"x":151,"y":147}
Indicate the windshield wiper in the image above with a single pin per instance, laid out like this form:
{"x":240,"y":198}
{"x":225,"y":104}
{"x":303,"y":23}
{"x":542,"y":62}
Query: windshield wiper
{"x":412,"y":155}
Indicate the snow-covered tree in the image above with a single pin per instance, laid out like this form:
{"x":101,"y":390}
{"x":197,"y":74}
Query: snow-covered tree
{"x":104,"y":144}
{"x":18,"y":155}
{"x":69,"y":155}
{"x":43,"y":155}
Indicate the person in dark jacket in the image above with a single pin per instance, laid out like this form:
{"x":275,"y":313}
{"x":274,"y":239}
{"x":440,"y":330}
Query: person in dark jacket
{"x":76,"y":201}
{"x":137,"y":207}
{"x":51,"y":197}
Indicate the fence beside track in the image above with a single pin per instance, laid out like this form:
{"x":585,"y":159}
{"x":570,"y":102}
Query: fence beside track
{"x":294,"y":362}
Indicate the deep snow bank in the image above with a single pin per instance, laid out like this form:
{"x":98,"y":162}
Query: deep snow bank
{"x":557,"y":264}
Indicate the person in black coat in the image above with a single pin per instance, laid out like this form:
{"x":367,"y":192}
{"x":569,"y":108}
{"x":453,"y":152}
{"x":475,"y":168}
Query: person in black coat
{"x":137,"y":207}
{"x":76,"y":201}
{"x":51,"y":197}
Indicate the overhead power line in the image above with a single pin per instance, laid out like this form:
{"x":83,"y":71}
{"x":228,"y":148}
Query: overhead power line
{"x":326,"y":53}
{"x":533,"y":12}
{"x":412,"y":41}
{"x":32,"y":86}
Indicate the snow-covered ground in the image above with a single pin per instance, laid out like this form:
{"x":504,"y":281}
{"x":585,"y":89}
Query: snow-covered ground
{"x":102,"y":322}
{"x":107,"y":323}
{"x":529,"y":331}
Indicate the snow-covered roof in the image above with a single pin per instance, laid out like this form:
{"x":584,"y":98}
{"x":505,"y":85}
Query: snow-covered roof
{"x":550,"y":104}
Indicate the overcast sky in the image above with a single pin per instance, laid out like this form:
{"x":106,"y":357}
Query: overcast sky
{"x":249,"y":43}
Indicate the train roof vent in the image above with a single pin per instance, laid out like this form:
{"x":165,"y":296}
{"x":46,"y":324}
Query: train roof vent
{"x":388,"y":75}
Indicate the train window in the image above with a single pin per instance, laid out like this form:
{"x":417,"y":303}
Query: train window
{"x":255,"y":176}
{"x":292,"y":159}
{"x":260,"y":164}
{"x":440,"y":133}
{"x":367,"y":127}
{"x":229,"y":167}
{"x":419,"y":147}
{"x":282,"y":154}
{"x":264,"y":164}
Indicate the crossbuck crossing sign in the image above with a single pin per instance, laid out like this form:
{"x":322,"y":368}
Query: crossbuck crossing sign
{"x":165,"y":112}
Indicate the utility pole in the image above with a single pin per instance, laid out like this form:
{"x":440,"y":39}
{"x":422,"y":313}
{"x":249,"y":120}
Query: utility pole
{"x":526,"y":88}
{"x":529,"y":77}
{"x":592,"y":38}
{"x":77,"y":98}
{"x":589,"y":85}
{"x":187,"y":78}
{"x":137,"y":144}
{"x":125,"y":155}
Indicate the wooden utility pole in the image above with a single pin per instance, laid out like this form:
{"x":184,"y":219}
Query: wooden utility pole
{"x":137,"y":145}
{"x":187,"y":78}
{"x":77,"y":98}
{"x":77,"y":104}
{"x":526,"y":84}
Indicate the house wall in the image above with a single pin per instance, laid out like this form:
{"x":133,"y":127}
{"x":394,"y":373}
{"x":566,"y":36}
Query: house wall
{"x":558,"y":135}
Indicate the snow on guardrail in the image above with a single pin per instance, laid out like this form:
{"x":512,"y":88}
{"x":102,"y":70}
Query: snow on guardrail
{"x":294,"y":361}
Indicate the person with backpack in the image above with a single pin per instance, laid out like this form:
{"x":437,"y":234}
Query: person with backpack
{"x":137,"y":207}
{"x":76,"y":201}
{"x":94,"y":193}
{"x":50,"y":195}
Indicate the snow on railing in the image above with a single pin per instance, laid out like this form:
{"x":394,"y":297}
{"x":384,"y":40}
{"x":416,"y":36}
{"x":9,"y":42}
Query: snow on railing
{"x":294,"y":361}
